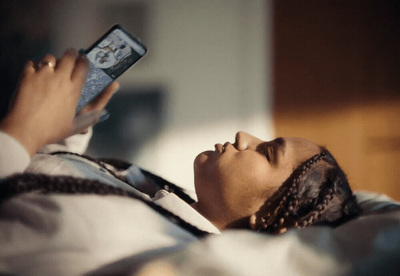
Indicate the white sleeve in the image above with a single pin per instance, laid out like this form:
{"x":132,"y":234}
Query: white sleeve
{"x":77,"y":143}
{"x":13,"y":156}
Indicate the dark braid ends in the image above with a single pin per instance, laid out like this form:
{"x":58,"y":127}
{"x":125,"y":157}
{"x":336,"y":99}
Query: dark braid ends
{"x":316,"y":193}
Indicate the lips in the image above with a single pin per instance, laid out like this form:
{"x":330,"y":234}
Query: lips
{"x":225,"y":146}
{"x":221,"y":148}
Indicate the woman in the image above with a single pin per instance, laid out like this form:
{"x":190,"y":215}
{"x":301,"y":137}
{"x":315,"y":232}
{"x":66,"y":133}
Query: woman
{"x":271,"y":186}
{"x":265,"y":186}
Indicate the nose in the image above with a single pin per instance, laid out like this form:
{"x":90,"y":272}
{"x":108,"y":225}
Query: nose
{"x":244,"y":141}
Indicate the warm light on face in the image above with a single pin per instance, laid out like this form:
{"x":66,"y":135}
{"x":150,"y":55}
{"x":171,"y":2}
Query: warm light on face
{"x":234,"y":180}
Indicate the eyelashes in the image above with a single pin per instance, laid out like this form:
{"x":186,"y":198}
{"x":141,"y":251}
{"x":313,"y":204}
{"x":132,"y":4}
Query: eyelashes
{"x":267,"y":153}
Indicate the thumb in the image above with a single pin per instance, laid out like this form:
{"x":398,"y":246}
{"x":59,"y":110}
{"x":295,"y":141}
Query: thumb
{"x":83,"y":121}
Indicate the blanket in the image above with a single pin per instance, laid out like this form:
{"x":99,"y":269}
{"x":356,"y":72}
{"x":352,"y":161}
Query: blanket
{"x":97,"y":235}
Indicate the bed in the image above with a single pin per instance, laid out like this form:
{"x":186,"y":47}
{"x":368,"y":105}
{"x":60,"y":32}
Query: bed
{"x":367,"y":245}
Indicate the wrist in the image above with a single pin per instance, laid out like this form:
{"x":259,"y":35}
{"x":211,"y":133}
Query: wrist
{"x":22,"y":134}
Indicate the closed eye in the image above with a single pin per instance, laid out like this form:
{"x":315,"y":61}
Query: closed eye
{"x":272,"y":150}
{"x":267,"y":154}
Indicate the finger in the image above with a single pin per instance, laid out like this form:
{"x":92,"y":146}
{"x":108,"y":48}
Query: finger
{"x":29,"y":68}
{"x":48,"y":61}
{"x":67,"y":61}
{"x":80,"y":70}
{"x":101,"y":101}
{"x":84,"y":121}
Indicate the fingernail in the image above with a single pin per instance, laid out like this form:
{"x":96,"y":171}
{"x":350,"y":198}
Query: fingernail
{"x":117,"y":88}
{"x":104,"y":116}
{"x":70,"y":51}
{"x":83,"y":57}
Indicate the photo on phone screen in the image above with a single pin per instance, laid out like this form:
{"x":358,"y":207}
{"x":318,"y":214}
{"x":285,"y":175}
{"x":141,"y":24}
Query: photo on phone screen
{"x":109,"y":57}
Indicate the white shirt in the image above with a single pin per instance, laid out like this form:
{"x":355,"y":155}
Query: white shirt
{"x":87,"y":231}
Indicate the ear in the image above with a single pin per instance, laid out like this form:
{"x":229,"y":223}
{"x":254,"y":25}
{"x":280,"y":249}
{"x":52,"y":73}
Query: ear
{"x":252,"y":221}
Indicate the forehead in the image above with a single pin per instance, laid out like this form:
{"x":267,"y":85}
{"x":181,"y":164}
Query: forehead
{"x":297,"y":150}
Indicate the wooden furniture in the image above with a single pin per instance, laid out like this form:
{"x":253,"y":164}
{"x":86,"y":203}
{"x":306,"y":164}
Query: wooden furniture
{"x":337,"y":82}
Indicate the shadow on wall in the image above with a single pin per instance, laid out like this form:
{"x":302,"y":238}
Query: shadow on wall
{"x":22,"y":37}
{"x":136,"y":115}
{"x":213,"y":56}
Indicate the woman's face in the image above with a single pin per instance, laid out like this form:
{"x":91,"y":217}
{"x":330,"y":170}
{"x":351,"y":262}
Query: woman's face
{"x":233,"y":181}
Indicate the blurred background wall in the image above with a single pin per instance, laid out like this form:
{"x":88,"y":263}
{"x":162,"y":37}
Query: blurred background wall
{"x":324,"y":70}
{"x":206,"y":74}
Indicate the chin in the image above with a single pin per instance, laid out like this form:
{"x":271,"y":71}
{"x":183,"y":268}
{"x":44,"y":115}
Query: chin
{"x":201,"y":163}
{"x":202,"y":158}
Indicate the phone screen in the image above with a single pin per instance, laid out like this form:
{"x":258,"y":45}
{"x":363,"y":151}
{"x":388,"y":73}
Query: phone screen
{"x":109,"y":57}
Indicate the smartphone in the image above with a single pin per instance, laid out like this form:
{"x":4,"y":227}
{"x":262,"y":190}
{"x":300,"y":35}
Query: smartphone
{"x":110,"y":56}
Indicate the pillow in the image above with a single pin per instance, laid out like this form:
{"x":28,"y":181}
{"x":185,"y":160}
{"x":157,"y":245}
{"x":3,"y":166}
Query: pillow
{"x":366,"y":245}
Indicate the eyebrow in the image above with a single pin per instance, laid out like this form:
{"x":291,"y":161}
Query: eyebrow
{"x":281,"y":145}
{"x":280,"y":141}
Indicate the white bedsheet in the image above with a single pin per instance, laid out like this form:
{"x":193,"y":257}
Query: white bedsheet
{"x":368,"y":245}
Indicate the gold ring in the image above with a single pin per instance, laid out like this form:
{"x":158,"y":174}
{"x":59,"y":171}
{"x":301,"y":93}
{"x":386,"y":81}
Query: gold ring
{"x":47,"y":63}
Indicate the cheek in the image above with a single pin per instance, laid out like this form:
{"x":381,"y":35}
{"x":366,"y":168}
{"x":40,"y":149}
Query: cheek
{"x":246,"y":179}
{"x":260,"y":181}
{"x":238,"y":177}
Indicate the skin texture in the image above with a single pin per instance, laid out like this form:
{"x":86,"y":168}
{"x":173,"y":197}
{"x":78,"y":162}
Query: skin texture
{"x":43,"y":109}
{"x":233,"y":181}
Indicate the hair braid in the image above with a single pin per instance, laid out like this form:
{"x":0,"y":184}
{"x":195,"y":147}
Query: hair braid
{"x":310,"y":195}
{"x":46,"y":184}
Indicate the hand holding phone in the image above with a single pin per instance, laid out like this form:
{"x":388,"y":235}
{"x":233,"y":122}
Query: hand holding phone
{"x":110,"y":56}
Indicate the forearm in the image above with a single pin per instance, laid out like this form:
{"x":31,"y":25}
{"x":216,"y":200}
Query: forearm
{"x":21,"y":133}
{"x":15,"y":158}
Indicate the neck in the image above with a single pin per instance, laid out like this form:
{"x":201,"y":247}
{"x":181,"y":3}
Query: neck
{"x":199,"y":208}
{"x":222,"y":222}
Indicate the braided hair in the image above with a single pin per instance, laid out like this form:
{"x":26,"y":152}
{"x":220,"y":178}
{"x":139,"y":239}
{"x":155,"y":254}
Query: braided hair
{"x":315,"y":193}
